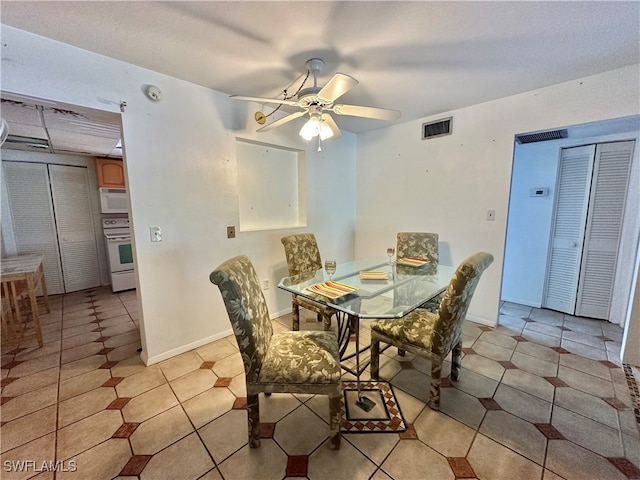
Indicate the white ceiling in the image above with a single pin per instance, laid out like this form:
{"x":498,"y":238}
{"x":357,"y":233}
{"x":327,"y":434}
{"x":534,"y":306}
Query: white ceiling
{"x":422,"y":58}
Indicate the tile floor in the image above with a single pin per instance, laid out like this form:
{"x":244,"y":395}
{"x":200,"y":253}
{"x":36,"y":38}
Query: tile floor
{"x":540,"y":397}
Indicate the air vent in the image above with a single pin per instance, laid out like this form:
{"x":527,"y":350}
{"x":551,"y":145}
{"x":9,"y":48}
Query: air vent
{"x":542,"y":136}
{"x":438,"y":128}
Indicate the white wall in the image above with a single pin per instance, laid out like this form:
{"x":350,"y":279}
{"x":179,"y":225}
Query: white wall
{"x":447,"y":184}
{"x":530,"y":218}
{"x":181,"y":174}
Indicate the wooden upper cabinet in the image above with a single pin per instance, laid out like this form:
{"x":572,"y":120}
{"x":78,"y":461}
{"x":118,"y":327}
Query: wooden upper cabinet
{"x":110,"y":173}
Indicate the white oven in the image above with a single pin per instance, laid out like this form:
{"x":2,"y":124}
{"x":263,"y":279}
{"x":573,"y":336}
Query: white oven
{"x":113,"y":200}
{"x":120,"y":253}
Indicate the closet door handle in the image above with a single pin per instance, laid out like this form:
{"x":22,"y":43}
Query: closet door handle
{"x":573,"y":244}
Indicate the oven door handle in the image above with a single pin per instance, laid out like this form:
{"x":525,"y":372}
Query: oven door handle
{"x":116,"y":239}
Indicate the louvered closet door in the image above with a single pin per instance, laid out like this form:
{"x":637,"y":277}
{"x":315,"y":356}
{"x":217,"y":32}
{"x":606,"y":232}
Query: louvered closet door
{"x":29,"y":196}
{"x":74,"y":223}
{"x":604,"y":226}
{"x":567,"y":238}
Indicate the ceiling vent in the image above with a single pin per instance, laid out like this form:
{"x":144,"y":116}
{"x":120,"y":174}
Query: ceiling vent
{"x":439,"y":128}
{"x":542,"y":136}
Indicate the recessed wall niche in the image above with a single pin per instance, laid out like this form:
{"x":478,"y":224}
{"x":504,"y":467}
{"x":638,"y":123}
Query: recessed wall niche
{"x":271,"y":186}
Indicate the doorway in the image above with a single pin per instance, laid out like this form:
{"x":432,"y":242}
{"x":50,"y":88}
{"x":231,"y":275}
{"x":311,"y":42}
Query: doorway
{"x":529,"y":226}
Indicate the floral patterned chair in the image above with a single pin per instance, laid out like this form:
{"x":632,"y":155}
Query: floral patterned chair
{"x":291,"y":362}
{"x":303,"y":256}
{"x":422,"y":245}
{"x":433,"y":335}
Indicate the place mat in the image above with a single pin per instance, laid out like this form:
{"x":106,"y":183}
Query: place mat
{"x":412,"y":261}
{"x":384,"y":416}
{"x":372,"y":275}
{"x":331,"y":289}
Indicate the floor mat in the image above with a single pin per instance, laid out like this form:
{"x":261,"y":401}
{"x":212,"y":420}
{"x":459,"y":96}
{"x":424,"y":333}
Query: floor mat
{"x":634,"y":390}
{"x":379,"y":412}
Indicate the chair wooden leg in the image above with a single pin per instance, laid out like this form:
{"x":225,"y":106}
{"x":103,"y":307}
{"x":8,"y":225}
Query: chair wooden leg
{"x":253,"y":416}
{"x":327,"y":323}
{"x":434,"y":389}
{"x":375,"y":359}
{"x":335,"y":418}
{"x":456,"y":357}
{"x":295,"y":317}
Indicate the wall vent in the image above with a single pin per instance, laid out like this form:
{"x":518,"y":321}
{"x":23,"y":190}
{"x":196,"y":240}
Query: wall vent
{"x":541,"y":136}
{"x":438,"y":128}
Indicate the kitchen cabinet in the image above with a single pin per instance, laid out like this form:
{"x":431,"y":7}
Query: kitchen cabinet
{"x":110,"y":173}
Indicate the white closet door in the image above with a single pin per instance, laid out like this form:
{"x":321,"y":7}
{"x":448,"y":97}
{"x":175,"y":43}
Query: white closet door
{"x":604,"y":225}
{"x":567,"y":237}
{"x":74,"y":222}
{"x":32,"y":217}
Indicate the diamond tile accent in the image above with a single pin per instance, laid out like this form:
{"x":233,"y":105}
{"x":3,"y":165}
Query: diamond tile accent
{"x":563,"y":328}
{"x":507,"y":365}
{"x":135,"y":465}
{"x":12,"y":364}
{"x":267,"y":430}
{"x":108,"y":365}
{"x":4,"y":400}
{"x":126,"y":430}
{"x":99,"y":329}
{"x":297,"y":465}
{"x":118,"y":403}
{"x":102,"y":339}
{"x":490,"y":404}
{"x":409,"y":434}
{"x":604,"y":338}
{"x":626,"y":467}
{"x":468,"y":351}
{"x":609,"y":364}
{"x":7,"y":380}
{"x":407,"y":365}
{"x":223,"y":382}
{"x":207,"y":365}
{"x":549,"y":431}
{"x":484,"y":328}
{"x":104,"y":351}
{"x":240,"y":403}
{"x":555,"y":381}
{"x":519,"y":338}
{"x":461,"y":467}
{"x":616,"y":403}
{"x":528,"y":320}
{"x":112,"y":382}
{"x":559,"y":349}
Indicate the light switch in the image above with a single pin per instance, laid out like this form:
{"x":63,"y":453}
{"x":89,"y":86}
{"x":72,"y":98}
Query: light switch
{"x":156,"y":234}
{"x":231,"y":231}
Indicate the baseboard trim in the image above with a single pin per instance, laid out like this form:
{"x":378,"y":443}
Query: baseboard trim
{"x":481,"y":321}
{"x":185,"y":348}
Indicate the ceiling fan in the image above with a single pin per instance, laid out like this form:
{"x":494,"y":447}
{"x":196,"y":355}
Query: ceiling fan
{"x":317,"y":102}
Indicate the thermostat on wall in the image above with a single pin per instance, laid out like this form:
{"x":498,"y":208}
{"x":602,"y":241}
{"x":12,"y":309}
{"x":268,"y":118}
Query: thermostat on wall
{"x":538,"y":192}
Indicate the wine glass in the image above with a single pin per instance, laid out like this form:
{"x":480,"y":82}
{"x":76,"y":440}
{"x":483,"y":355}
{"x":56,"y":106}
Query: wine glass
{"x":390,"y":252}
{"x":330,"y":267}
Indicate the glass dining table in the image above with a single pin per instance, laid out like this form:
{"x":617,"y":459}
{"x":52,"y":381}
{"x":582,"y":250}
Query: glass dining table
{"x":370,"y":288}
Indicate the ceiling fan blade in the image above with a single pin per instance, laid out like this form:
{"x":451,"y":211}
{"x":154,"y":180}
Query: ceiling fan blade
{"x":368,"y":112}
{"x":337,"y":86}
{"x":281,"y":121}
{"x":266,"y":100}
{"x":332,"y":125}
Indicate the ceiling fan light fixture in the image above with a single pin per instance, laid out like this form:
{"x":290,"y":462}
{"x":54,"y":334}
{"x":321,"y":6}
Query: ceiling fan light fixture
{"x":316,"y":126}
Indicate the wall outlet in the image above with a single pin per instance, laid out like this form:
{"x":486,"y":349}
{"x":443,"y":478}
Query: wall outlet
{"x":231,"y":231}
{"x":491,"y":215}
{"x":265,"y":284}
{"x":156,"y":234}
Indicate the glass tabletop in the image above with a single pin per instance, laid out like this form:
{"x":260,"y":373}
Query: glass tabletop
{"x":359,"y":288}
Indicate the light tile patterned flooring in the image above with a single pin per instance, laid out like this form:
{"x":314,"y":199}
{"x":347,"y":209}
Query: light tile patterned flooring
{"x":540,"y":397}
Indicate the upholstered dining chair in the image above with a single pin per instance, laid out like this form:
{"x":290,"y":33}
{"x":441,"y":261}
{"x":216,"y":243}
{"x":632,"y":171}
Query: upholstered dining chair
{"x":303,"y":255}
{"x":287,"y":362}
{"x":434,"y":335}
{"x":421,"y":245}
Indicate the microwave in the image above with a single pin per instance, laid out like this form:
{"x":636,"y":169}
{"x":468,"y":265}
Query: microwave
{"x":114,"y":200}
